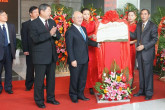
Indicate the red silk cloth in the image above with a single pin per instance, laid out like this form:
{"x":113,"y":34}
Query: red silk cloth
{"x":118,"y":51}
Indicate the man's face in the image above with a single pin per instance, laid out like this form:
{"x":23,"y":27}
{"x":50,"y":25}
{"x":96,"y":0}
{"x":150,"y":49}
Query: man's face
{"x":46,"y":13}
{"x":34,"y":14}
{"x":3,"y":17}
{"x":78,"y":18}
{"x":145,"y":15}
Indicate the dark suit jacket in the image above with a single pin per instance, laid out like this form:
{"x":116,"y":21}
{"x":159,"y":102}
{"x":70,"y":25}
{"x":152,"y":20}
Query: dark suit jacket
{"x":76,"y":46}
{"x":12,"y":37}
{"x":25,"y":36}
{"x":148,"y":38}
{"x":44,"y":48}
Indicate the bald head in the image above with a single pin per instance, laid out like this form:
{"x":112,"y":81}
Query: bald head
{"x":77,"y":18}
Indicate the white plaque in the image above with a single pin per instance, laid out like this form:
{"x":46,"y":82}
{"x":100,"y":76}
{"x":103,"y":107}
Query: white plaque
{"x":112,"y":32}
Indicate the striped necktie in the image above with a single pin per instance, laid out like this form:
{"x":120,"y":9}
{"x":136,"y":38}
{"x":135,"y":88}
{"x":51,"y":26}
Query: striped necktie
{"x":143,"y":26}
{"x":5,"y":33}
{"x":82,"y":33}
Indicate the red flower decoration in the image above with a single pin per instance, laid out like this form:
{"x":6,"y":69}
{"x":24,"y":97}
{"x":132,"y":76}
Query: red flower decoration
{"x":110,"y":16}
{"x":109,"y":99}
{"x":123,"y":78}
{"x":100,"y":96}
{"x":101,"y":87}
{"x":121,"y":15}
{"x":118,"y":71}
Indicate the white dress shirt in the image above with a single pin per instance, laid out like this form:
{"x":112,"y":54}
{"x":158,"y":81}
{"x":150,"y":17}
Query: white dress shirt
{"x":7,"y":31}
{"x":43,"y":20}
{"x":145,"y":24}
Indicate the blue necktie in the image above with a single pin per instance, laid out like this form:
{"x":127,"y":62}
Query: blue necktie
{"x":5,"y":33}
{"x":82,"y":33}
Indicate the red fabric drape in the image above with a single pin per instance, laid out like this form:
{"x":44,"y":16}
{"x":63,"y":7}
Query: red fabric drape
{"x":118,"y":51}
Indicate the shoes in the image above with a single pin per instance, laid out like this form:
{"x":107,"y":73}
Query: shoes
{"x":28,"y":89}
{"x":138,"y":94}
{"x":55,"y":102}
{"x":91,"y":91}
{"x":41,"y":105}
{"x":0,"y":91}
{"x":9,"y":91}
{"x":83,"y":98}
{"x":148,"y":97}
{"x":74,"y":100}
{"x":44,"y":86}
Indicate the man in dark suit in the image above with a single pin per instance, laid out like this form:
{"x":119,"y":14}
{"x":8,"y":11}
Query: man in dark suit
{"x":43,"y":32}
{"x":147,"y":36}
{"x":27,"y":47}
{"x":77,"y":47}
{"x":7,"y":50}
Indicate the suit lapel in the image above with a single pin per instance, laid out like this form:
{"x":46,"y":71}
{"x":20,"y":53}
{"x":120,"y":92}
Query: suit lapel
{"x":147,"y":26}
{"x":41,"y":25}
{"x":50,"y":24}
{"x":78,"y":32}
{"x":9,"y":30}
{"x":1,"y":31}
{"x":85,"y":34}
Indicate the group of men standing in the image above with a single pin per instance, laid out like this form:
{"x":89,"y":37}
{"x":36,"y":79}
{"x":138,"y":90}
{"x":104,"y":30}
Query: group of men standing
{"x":38,"y":36}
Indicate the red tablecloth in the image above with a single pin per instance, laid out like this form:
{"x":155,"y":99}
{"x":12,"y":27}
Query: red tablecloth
{"x":118,"y":51}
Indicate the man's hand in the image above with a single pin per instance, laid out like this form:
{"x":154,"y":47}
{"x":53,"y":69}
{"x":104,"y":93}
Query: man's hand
{"x":99,"y":45}
{"x":94,"y":36}
{"x":26,"y":53}
{"x":140,"y":48}
{"x":53,"y":31}
{"x":74,"y":63}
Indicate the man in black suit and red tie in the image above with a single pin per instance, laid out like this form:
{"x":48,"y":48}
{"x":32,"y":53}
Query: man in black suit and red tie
{"x":43,"y":32}
{"x":147,"y":36}
{"x":77,"y":47}
{"x":27,"y":47}
{"x":7,"y":51}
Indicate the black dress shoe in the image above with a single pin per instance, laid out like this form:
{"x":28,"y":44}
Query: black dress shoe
{"x":83,"y":98}
{"x":55,"y":102}
{"x":41,"y":105}
{"x":91,"y":91}
{"x":74,"y":100}
{"x":9,"y":91}
{"x":138,"y":94}
{"x":44,"y":87}
{"x":148,"y":97}
{"x":28,"y":89}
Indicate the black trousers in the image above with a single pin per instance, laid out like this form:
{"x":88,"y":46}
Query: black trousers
{"x":7,"y":64}
{"x":78,"y":78}
{"x":40,"y":71}
{"x":29,"y":72}
{"x":145,"y":76}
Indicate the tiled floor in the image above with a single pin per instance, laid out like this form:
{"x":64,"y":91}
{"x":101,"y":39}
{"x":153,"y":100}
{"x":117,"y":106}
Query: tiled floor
{"x":19,"y":69}
{"x":148,"y":105}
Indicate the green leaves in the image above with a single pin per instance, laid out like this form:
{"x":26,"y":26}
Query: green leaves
{"x":156,"y":17}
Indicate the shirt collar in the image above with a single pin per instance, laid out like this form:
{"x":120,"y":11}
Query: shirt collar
{"x":78,"y":27}
{"x":42,"y":19}
{"x":145,"y":23}
{"x":3,"y":24}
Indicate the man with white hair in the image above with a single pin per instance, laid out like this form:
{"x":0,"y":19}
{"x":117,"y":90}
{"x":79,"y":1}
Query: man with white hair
{"x":77,"y":47}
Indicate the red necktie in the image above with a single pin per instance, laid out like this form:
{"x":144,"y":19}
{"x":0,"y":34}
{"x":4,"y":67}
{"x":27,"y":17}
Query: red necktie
{"x":46,"y":25}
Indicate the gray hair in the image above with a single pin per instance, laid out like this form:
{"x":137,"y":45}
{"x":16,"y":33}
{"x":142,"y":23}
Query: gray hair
{"x":43,"y":7}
